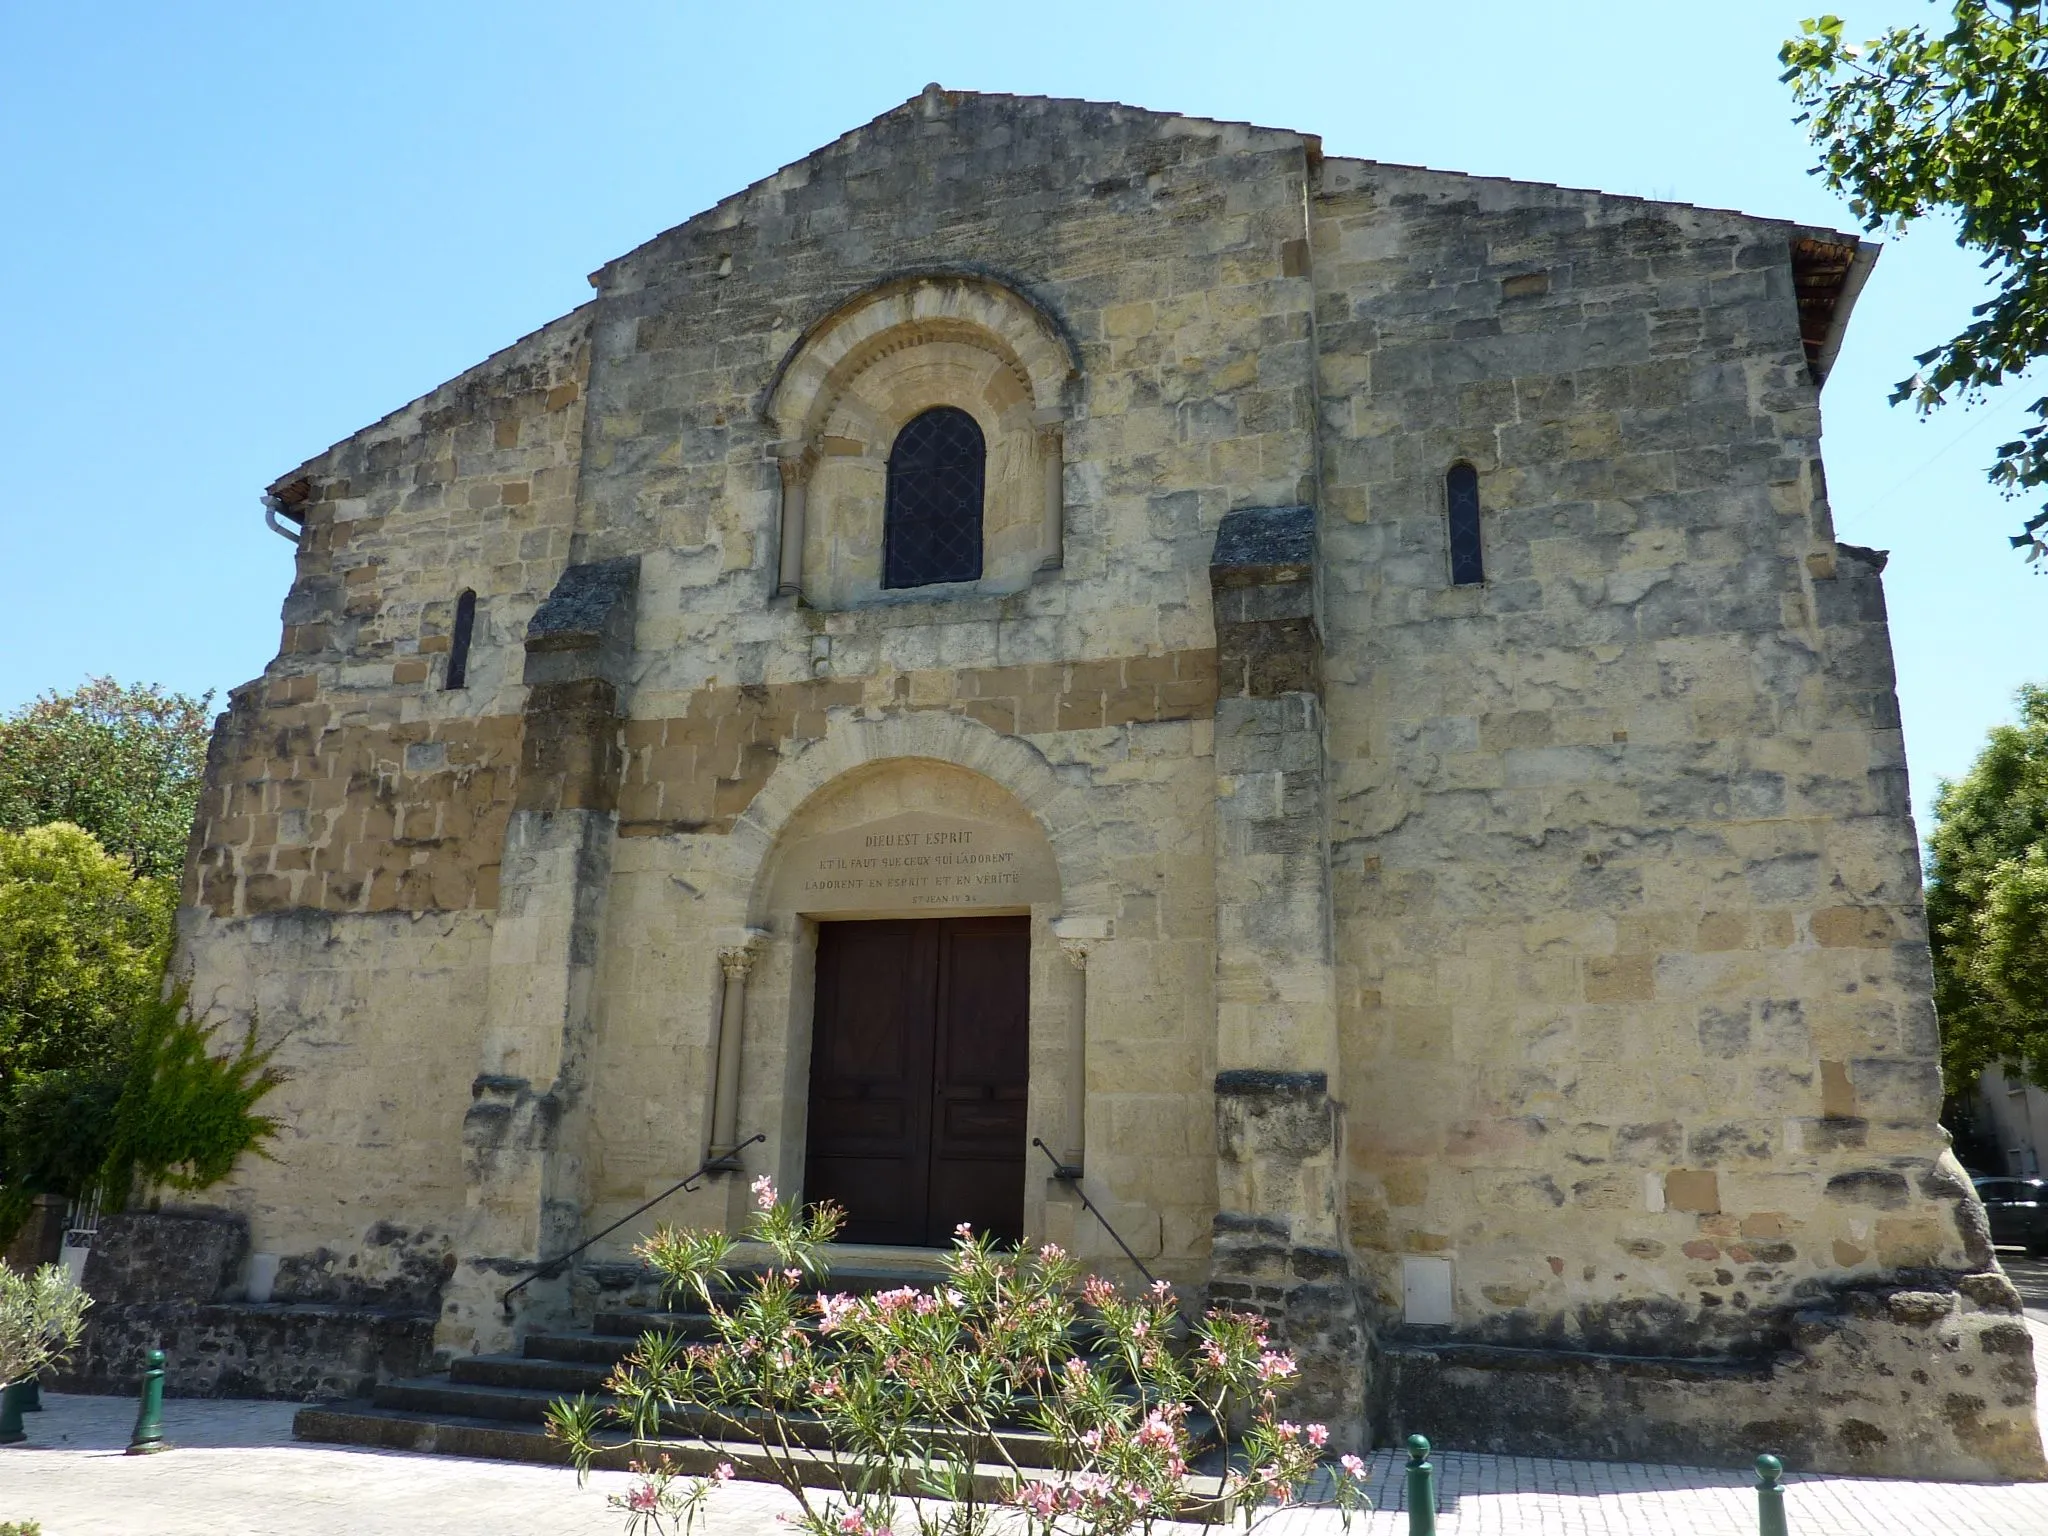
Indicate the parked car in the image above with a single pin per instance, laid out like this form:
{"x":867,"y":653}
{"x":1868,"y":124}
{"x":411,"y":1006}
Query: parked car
{"x":2018,"y":1209}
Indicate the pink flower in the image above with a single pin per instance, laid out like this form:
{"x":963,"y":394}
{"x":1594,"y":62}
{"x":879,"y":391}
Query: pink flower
{"x":1354,"y":1467}
{"x":1274,"y":1366}
{"x":1097,"y":1290}
{"x":764,"y":1193}
{"x":643,"y":1500}
{"x":1163,"y":1289}
{"x":964,"y":1231}
{"x":835,"y":1311}
{"x":1041,"y":1499}
{"x":1319,"y":1435}
{"x":1052,"y":1251}
{"x":723,"y":1472}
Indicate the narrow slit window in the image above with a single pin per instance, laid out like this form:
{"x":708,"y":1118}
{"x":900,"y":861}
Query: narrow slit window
{"x":1468,"y":558}
{"x":931,"y":523}
{"x":458,"y":643}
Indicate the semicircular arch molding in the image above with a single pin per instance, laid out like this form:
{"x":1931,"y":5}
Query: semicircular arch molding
{"x":859,"y":746}
{"x":933,"y":306}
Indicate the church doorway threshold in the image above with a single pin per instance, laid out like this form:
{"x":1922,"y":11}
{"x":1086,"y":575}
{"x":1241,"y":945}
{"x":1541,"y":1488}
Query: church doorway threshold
{"x":920,"y":1067}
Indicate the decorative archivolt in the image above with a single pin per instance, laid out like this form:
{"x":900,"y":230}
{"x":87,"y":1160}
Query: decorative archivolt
{"x":860,"y":373}
{"x":904,"y":313}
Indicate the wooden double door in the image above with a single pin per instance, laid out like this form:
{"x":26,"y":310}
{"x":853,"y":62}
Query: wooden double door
{"x":920,"y":1064}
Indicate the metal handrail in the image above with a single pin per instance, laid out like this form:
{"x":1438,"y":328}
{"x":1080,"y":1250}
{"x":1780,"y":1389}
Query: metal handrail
{"x":1068,"y":1174}
{"x":729,"y":1163}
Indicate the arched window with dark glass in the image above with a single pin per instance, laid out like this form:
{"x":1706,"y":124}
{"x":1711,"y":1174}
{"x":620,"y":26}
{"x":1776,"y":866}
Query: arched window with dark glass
{"x":458,"y":643}
{"x":931,"y":525}
{"x":1461,"y":498}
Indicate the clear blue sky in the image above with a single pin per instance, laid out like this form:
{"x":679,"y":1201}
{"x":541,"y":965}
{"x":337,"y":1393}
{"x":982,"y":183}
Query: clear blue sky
{"x":232,"y":234}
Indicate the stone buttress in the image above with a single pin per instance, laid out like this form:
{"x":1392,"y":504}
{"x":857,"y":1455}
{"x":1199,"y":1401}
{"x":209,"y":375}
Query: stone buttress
{"x":1278,"y":1246}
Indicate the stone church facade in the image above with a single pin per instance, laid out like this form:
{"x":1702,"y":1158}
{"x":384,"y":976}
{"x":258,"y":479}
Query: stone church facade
{"x":1325,"y":693}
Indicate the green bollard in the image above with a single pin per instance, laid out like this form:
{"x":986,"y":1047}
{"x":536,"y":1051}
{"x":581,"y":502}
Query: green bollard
{"x":149,"y":1422}
{"x":11,"y":1432}
{"x":1421,"y":1488}
{"x":1770,"y":1497}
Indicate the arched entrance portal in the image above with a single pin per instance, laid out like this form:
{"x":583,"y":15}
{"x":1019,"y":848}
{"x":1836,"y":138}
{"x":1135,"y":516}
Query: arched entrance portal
{"x":918,"y":895}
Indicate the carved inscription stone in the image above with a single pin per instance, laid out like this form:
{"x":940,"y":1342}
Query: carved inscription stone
{"x":917,"y":861}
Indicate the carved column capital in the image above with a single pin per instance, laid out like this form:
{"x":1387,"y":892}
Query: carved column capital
{"x":737,"y":960}
{"x":794,"y":462}
{"x":1076,"y":951}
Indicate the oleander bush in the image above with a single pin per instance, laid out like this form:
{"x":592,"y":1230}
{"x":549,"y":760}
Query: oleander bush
{"x":874,"y":1411}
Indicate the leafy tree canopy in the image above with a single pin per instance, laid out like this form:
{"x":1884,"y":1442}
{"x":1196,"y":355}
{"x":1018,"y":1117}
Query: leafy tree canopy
{"x":123,"y":763}
{"x":83,"y":942}
{"x":1987,"y":903}
{"x":1913,"y":123}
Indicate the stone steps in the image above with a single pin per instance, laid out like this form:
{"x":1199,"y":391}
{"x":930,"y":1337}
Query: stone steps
{"x":446,"y":1434}
{"x":494,"y":1405}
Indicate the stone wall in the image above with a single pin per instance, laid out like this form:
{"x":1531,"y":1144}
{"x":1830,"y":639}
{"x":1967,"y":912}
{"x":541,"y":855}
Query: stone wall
{"x":376,"y":1020}
{"x":347,"y":778}
{"x":172,"y":1280}
{"x":699,"y":770}
{"x":1637,"y":1029}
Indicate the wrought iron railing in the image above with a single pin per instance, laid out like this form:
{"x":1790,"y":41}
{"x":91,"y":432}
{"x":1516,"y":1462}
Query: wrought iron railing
{"x":729,"y":1163}
{"x":1070,"y":1176}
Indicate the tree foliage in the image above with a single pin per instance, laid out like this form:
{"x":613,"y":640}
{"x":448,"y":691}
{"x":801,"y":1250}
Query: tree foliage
{"x":1987,"y":903}
{"x":82,"y":948}
{"x":106,"y":1085}
{"x":125,"y":763}
{"x":1913,"y":123}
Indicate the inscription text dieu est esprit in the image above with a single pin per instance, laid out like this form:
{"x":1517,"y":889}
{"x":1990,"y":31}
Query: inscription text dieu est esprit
{"x":912,"y":861}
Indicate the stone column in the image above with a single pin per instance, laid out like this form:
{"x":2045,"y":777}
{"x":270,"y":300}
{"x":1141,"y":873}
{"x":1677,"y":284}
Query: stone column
{"x":1278,"y":1240}
{"x":1074,"y":1143}
{"x":521,"y":1141}
{"x":1052,"y":451}
{"x":728,"y":1029}
{"x":794,"y":461}
{"x":1077,"y":938}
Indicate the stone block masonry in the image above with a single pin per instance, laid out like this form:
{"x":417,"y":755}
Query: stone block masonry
{"x":1516,"y":988}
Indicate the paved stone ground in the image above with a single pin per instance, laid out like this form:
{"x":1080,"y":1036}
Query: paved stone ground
{"x":237,"y":1472}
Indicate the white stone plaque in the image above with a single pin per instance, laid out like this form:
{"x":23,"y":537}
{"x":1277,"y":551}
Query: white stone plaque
{"x":916,"y":861}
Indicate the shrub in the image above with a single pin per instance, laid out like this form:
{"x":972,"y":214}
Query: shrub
{"x":907,"y":1393}
{"x":170,"y":1114}
{"x":185,"y":1115}
{"x":41,"y":1317}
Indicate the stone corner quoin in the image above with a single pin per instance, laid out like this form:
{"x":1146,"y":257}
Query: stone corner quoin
{"x":1515,"y":985}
